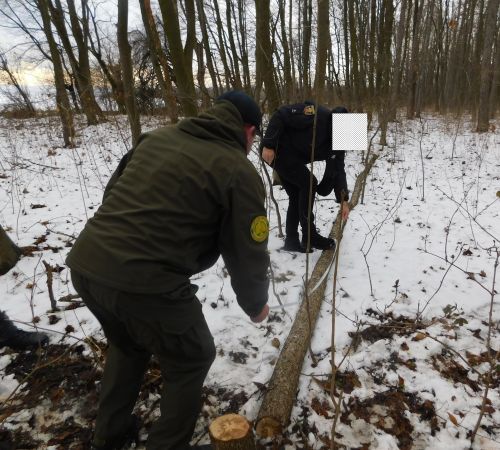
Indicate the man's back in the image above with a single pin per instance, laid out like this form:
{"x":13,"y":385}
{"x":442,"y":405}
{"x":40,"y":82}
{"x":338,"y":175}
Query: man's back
{"x":161,"y":221}
{"x":290,"y":130}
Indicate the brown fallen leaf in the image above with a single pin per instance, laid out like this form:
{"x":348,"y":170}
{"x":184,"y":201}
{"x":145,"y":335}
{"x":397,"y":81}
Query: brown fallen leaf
{"x":419,"y":337}
{"x":453,"y":419}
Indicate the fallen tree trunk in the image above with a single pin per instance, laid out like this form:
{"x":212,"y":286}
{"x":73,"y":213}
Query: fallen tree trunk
{"x":9,"y":252}
{"x":231,"y":432}
{"x":276,"y":407}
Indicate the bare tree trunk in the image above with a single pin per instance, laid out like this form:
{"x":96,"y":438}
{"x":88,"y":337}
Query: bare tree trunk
{"x":478,"y":47}
{"x":263,"y":54}
{"x":496,"y":79}
{"x":62,"y":100}
{"x":206,"y":45}
{"x":398,"y":69}
{"x":159,"y":60}
{"x":287,"y":66}
{"x":371,"y":57}
{"x":236,"y":59}
{"x":414,"y":64}
{"x":182,"y":57}
{"x":323,"y":42}
{"x":83,"y":76}
{"x":95,"y":48}
{"x":205,"y":98}
{"x":354,"y":60}
{"x":306,"y":46}
{"x":126,"y":65}
{"x":483,"y":115}
{"x":80,"y":66}
{"x":222,"y":46}
{"x":243,"y":45}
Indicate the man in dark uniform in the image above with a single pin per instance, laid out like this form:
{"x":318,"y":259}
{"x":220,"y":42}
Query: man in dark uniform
{"x":287,"y":147}
{"x":185,"y":195}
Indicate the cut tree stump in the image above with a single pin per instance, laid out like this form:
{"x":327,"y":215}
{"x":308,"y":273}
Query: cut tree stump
{"x":276,"y":407}
{"x":231,"y":432}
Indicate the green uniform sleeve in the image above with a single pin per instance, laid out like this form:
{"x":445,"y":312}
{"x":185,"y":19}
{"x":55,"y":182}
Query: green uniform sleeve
{"x":243,"y":241}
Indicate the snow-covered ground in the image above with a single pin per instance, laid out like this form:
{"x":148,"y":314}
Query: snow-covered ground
{"x":421,"y":245}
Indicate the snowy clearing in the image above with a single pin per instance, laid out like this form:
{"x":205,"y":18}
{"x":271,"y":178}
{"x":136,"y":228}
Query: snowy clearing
{"x":421,"y":246}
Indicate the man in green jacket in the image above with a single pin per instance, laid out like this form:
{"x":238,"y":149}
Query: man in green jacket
{"x":185,"y":195}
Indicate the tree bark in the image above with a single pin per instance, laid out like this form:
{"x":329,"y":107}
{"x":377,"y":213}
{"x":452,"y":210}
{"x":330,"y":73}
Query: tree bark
{"x":126,"y":66}
{"x":62,"y":99}
{"x":206,"y":46}
{"x":159,"y":61}
{"x":263,"y":54}
{"x":231,"y":432}
{"x":398,"y":69}
{"x":354,"y":59}
{"x":113,"y":79}
{"x":287,"y":66}
{"x":306,"y":46}
{"x":181,"y":56}
{"x":80,"y":66}
{"x":236,"y":59}
{"x":483,"y":115}
{"x":414,"y":65}
{"x":323,"y":42}
{"x":496,"y":79}
{"x":83,"y":74}
{"x":274,"y":414}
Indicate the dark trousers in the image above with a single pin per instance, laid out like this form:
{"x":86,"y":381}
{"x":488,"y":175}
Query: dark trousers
{"x":170,"y":327}
{"x":296,"y":180}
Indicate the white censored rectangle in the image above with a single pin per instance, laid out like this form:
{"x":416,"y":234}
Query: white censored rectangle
{"x":349,"y":131}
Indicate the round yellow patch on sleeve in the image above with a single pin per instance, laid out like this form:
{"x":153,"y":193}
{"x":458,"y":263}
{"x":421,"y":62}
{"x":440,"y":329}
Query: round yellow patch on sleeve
{"x":259,"y":230}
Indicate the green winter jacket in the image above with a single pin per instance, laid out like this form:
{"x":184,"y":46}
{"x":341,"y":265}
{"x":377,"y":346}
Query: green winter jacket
{"x":185,"y":195}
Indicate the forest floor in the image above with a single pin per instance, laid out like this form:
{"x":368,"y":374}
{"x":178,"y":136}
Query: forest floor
{"x":417,"y":311}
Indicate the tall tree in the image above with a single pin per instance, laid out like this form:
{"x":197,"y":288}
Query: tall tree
{"x":202,"y":18}
{"x":62,"y":100}
{"x":235,"y":58}
{"x":80,"y":66}
{"x":483,"y":115}
{"x":306,"y":45}
{"x":398,"y":68}
{"x":182,"y":55}
{"x":126,"y":66}
{"x":414,"y":63}
{"x":159,"y":60}
{"x":323,"y":42}
{"x":263,"y":54}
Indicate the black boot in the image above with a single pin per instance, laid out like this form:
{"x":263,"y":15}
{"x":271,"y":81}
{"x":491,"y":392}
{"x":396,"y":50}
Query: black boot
{"x":13,"y":337}
{"x":319,"y":242}
{"x":292,"y":244}
{"x":117,"y":443}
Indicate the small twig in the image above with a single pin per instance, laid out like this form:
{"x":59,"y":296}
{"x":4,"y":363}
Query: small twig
{"x":274,"y":291}
{"x":50,"y":270}
{"x":273,"y":199}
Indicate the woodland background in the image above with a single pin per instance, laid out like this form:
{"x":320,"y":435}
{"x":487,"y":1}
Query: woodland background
{"x":373,"y":56}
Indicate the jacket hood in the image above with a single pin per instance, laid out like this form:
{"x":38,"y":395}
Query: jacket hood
{"x":221,"y":122}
